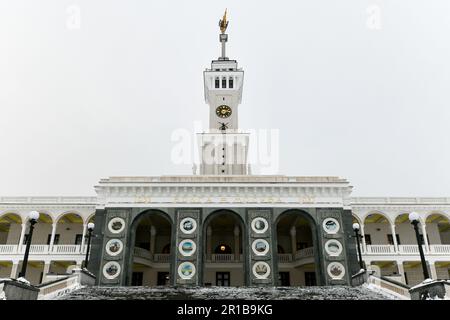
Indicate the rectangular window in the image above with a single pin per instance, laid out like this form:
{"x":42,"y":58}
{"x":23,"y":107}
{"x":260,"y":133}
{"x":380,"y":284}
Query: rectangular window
{"x":136,"y":279}
{"x":391,"y":240}
{"x":217,"y":83}
{"x":368,"y":239}
{"x":78,"y":239}
{"x":230,"y":83}
{"x":49,"y":237}
{"x":222,"y":279}
{"x":283,"y":279}
{"x":224,"y":82}
{"x":310,"y":278}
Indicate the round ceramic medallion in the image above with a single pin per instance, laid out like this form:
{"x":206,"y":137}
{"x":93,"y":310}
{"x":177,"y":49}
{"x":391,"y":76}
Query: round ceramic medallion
{"x":336,"y":270}
{"x":333,"y":247}
{"x":116,"y":225}
{"x":188,"y":225}
{"x":114,"y":247}
{"x":187,"y":247}
{"x":261,"y":270}
{"x":331,"y":225}
{"x":260,"y":225}
{"x":186,"y":270}
{"x":111,"y":270}
{"x":260,"y":247}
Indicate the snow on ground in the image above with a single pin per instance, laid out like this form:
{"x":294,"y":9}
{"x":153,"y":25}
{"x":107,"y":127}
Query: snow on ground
{"x":218,"y":293}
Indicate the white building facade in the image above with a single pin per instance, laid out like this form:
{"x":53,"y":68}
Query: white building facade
{"x":222,"y":225}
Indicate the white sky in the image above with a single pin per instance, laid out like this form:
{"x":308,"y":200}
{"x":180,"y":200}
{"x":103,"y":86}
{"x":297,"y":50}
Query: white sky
{"x":81,"y":104}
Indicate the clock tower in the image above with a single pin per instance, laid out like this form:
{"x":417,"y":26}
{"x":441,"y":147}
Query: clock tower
{"x":223,"y":149}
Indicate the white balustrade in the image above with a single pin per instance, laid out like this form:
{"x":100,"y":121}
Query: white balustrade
{"x":161,"y":257}
{"x":142,"y":253}
{"x":66,"y":249}
{"x":37,"y":249}
{"x":8,"y":249}
{"x":380,"y":249}
{"x":440,"y":248}
{"x":284,"y":257}
{"x":222,"y":257}
{"x":304,"y":253}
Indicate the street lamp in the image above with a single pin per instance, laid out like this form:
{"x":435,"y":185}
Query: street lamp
{"x":90,"y":228}
{"x":33,"y":216}
{"x":414,"y":218}
{"x":356,"y":229}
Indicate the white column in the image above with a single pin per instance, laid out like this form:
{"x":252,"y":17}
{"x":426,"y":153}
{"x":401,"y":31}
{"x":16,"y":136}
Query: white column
{"x":293,"y":240}
{"x":425,"y":238}
{"x":22,"y":235}
{"x":394,"y":237}
{"x":208,"y":243}
{"x":363,"y":238}
{"x":401,"y":270}
{"x":46,"y":271}
{"x":52,"y":237}
{"x":152,"y":239}
{"x":236,"y":243}
{"x":14,"y":268}
{"x":433,"y":270}
{"x":83,"y":237}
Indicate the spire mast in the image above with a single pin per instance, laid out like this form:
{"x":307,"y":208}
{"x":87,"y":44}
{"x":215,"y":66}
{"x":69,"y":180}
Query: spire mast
{"x":223,"y":24}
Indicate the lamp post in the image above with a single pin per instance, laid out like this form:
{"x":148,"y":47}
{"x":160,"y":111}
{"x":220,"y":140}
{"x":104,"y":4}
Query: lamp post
{"x":357,"y":235}
{"x":414,"y":218}
{"x":33,"y":216}
{"x":90,"y":227}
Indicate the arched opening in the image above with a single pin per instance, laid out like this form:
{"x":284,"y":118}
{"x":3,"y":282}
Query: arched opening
{"x":405,"y":234}
{"x":438,"y":229}
{"x":223,"y":255}
{"x":296,"y":253}
{"x":10,"y":229}
{"x":152,"y":248}
{"x":68,"y":233}
{"x":376,"y":226}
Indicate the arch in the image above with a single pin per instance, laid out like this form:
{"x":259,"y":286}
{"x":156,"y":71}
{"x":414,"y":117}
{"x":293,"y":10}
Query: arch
{"x":90,"y":218}
{"x":357,"y":219}
{"x":436,"y":213}
{"x":18,"y":218}
{"x":375,"y":213}
{"x":8,"y":223}
{"x":71,"y":216}
{"x":129,"y":256}
{"x":314,"y":235}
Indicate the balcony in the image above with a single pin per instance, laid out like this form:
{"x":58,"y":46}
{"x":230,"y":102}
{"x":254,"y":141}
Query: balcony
{"x":8,"y":250}
{"x":147,"y":255}
{"x":301,"y":256}
{"x":406,"y":249}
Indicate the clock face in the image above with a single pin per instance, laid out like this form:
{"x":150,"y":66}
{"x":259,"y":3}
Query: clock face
{"x":223,"y":111}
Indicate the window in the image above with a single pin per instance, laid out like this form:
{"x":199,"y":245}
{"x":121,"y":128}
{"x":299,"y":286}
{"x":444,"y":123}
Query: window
{"x":163,"y":279}
{"x":136,"y":278}
{"x":310,"y":278}
{"x":230,"y":83}
{"x":222,"y":279}
{"x":78,"y":239}
{"x":283,"y":279}
{"x":391,"y":240}
{"x":217,"y":82}
{"x":55,"y":241}
{"x":368,"y":239}
{"x":224,"y":82}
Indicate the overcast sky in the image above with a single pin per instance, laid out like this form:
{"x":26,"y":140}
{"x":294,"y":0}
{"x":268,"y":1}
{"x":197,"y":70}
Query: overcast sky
{"x":358,"y":89}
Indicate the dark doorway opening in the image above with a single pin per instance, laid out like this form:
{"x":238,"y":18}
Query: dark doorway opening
{"x":310,"y":279}
{"x":163,"y":279}
{"x":284,"y":279}
{"x":137,"y":278}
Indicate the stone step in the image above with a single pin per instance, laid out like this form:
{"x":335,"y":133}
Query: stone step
{"x":205,"y":293}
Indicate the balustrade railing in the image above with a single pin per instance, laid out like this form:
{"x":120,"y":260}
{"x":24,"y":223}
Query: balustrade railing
{"x":284,"y":257}
{"x":440,"y":248}
{"x":304,"y":253}
{"x":380,"y":249}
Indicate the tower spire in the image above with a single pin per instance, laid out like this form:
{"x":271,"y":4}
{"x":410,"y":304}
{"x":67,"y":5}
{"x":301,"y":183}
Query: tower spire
{"x":223,"y":24}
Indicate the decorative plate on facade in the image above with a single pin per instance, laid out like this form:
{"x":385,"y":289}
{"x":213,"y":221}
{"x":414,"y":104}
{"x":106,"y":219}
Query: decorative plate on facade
{"x":333,"y":247}
{"x":336,"y":270}
{"x":331,"y":225}
{"x":188,"y":225}
{"x":114,"y":247}
{"x":261,"y":270}
{"x":116,"y":225}
{"x":111,"y":270}
{"x":186,"y":270}
{"x":187,"y":247}
{"x":260,"y":225}
{"x":260,"y":247}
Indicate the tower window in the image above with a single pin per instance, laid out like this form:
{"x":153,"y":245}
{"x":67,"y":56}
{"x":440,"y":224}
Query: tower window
{"x":224,"y":82}
{"x":230,"y":83}
{"x":217,"y":82}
